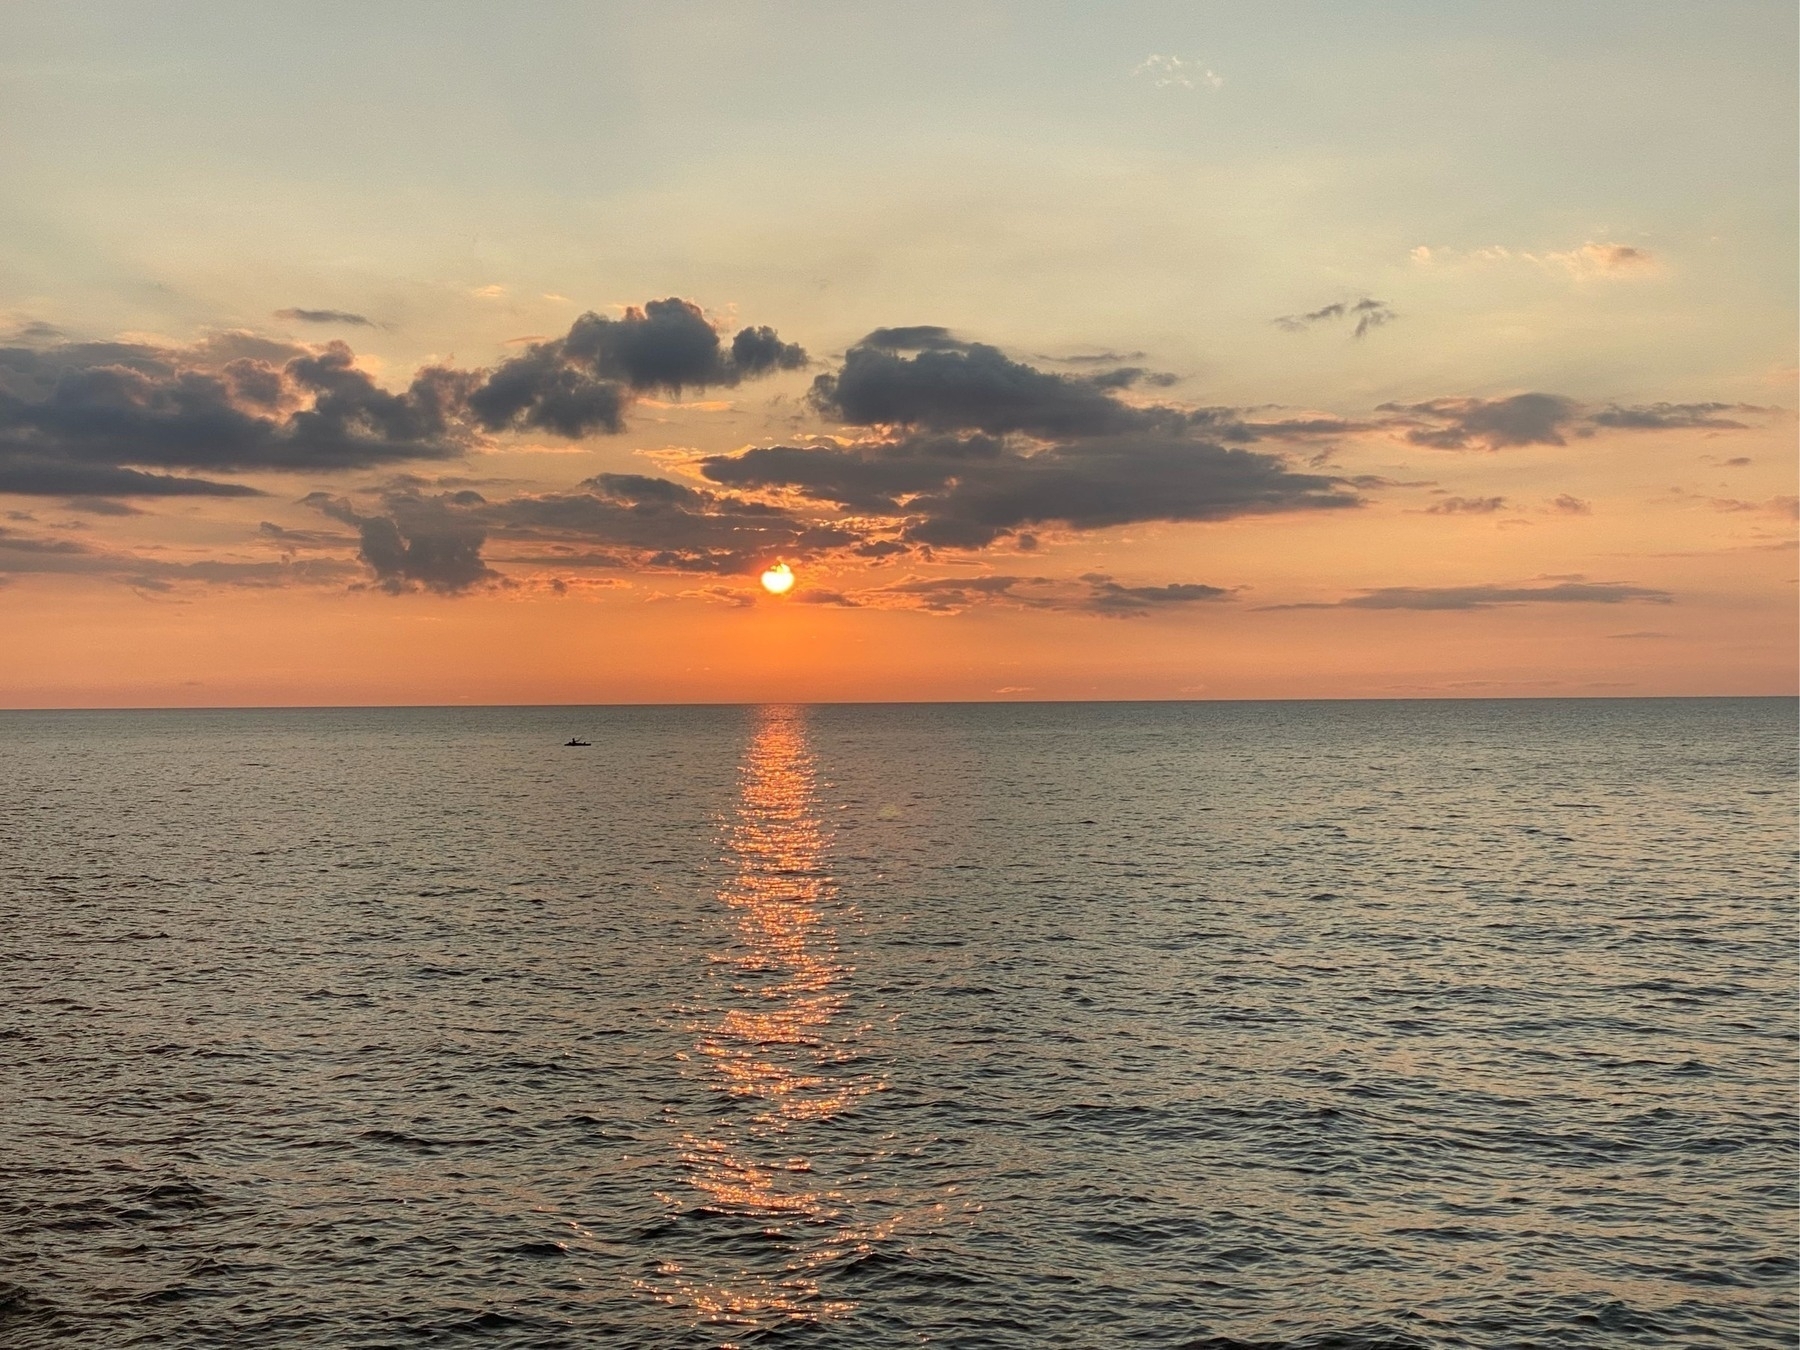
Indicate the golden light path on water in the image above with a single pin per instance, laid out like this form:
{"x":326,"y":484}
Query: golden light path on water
{"x":780,"y":1062}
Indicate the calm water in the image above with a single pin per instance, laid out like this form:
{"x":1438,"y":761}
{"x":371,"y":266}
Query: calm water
{"x":1382,"y":1024}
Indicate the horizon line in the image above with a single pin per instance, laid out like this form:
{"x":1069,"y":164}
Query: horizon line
{"x":896,"y":703}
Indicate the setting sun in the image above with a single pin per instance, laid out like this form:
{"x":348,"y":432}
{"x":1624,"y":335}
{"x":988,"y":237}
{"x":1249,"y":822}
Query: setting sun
{"x":779,"y":579}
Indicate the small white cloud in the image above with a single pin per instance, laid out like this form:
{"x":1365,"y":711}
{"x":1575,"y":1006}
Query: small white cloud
{"x":489,"y":292}
{"x":1608,"y":260}
{"x":1588,"y":261}
{"x":1166,"y":72}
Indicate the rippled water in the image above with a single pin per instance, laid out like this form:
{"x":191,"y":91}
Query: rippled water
{"x":1403,"y":1024}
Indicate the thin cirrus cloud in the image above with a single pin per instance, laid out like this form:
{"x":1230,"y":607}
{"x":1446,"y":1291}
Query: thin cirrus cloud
{"x":1466,"y":506}
{"x":1092,"y":593}
{"x":340,"y":317}
{"x":22,"y":554}
{"x":1177,"y":72}
{"x":1569,"y":592}
{"x":1587,"y":261}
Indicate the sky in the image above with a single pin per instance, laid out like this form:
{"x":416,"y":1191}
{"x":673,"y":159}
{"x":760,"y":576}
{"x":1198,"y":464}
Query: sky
{"x":438,"y":353}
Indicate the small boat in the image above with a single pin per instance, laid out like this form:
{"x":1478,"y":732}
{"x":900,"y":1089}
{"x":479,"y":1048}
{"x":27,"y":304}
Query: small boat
{"x":576,"y":740}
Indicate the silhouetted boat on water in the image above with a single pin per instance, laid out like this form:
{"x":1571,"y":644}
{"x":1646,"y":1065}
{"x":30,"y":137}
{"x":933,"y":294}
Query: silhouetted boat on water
{"x":576,"y":740}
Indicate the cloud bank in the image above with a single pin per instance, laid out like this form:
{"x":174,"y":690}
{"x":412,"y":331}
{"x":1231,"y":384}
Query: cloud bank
{"x":134,"y":419}
{"x":935,"y":447}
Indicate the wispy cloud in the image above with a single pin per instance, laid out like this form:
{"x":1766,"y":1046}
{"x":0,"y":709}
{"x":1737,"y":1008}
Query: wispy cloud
{"x":1092,"y":593}
{"x":341,"y":317}
{"x":1574,"y":591}
{"x":1590,"y":260}
{"x":1177,"y":72}
{"x":1466,"y":506}
{"x":1366,"y":314}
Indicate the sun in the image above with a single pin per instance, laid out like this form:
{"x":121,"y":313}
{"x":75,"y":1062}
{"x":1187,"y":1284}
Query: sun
{"x":779,"y":579}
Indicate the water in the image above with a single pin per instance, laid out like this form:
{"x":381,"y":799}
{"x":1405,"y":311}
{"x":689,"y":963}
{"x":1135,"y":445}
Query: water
{"x":1386,"y":1024}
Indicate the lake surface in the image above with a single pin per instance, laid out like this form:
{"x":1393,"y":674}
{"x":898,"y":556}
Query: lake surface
{"x":1168,"y":1025}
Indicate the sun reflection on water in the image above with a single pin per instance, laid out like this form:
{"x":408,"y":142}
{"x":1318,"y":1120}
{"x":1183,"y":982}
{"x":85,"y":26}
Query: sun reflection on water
{"x":781,"y":1061}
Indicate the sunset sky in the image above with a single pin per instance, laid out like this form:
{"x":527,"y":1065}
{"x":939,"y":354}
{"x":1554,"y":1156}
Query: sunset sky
{"x":432,"y":353}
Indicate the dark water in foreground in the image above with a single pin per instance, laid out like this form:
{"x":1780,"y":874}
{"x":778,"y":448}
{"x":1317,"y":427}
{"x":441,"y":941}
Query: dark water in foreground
{"x":1403,"y":1024}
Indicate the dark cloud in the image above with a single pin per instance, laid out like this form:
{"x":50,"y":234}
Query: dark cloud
{"x":1119,"y":480}
{"x":1096,"y":358}
{"x":1126,"y":377}
{"x":1370,"y":314}
{"x":110,"y":419}
{"x":872,"y":478}
{"x":1572,"y":506}
{"x":968,"y":387}
{"x":967,"y":492}
{"x":1462,"y":423}
{"x":119,"y":419}
{"x":583,"y":382}
{"x":337,"y":316}
{"x":919,"y":337}
{"x":1110,"y":598}
{"x":949,"y":385}
{"x":1546,"y":419}
{"x":101,"y":506}
{"x":41,"y":476}
{"x":982,"y":446}
{"x":610,"y":521}
{"x":1663,"y":416}
{"x":946,"y":444}
{"x":1570,"y":592}
{"x":1466,"y":506}
{"x":1367,"y":314}
{"x":420,"y":543}
{"x":652,"y":522}
{"x":1299,"y":323}
{"x":541,"y":391}
{"x":669,"y":344}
